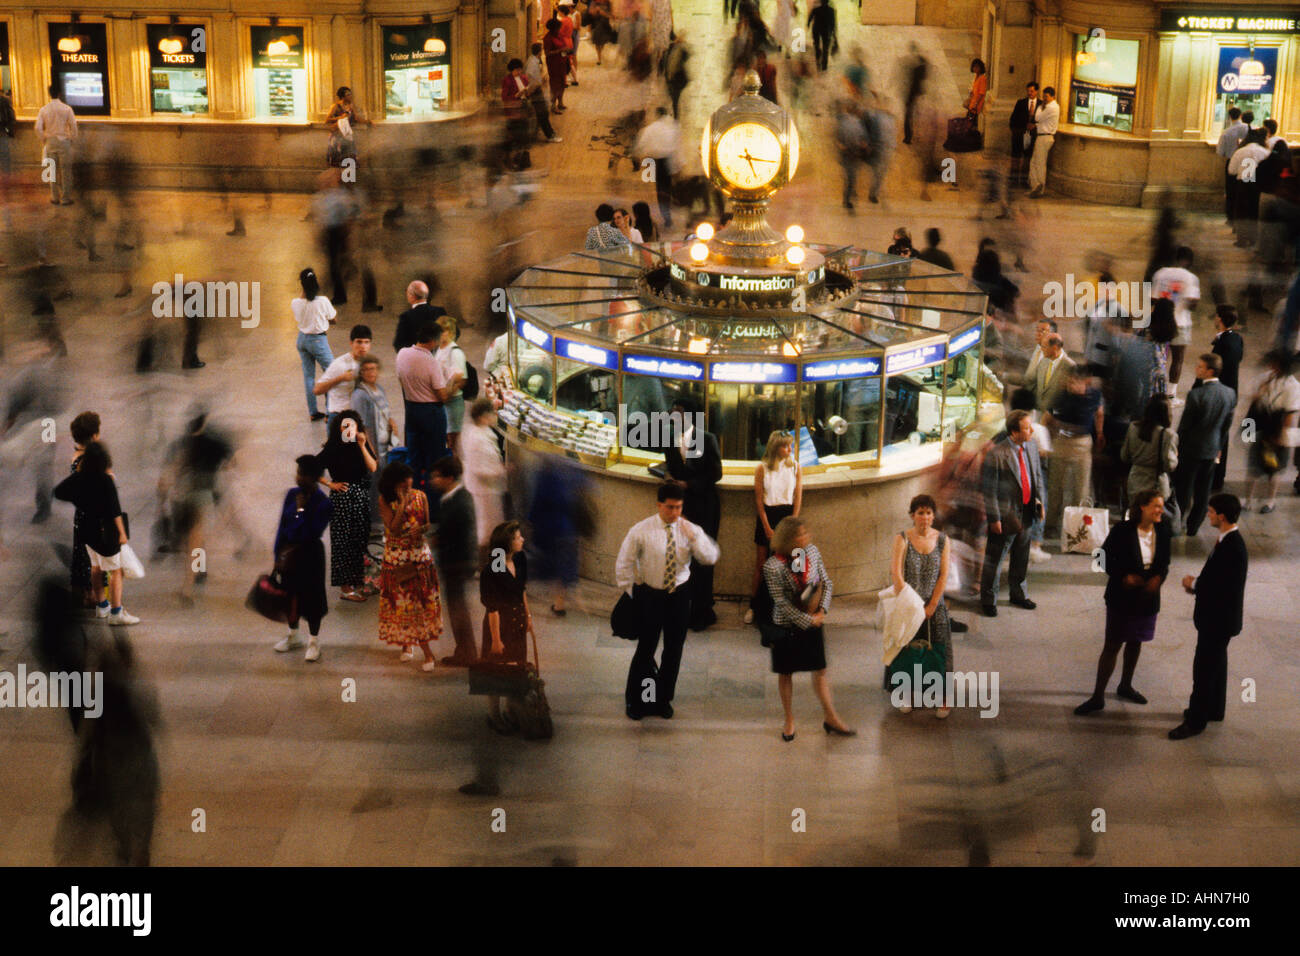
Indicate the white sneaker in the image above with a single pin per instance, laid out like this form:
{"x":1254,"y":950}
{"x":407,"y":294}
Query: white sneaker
{"x":313,"y":652}
{"x":407,"y":655}
{"x":1037,"y":554}
{"x":555,"y":139}
{"x":428,"y":665}
{"x":122,"y":616}
{"x":905,"y":709}
{"x":749,"y":616}
{"x":101,"y":611}
{"x":289,"y":643}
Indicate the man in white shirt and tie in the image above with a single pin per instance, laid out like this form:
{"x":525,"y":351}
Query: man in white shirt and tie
{"x":654,"y":565}
{"x":56,"y":125}
{"x":1046,"y":119}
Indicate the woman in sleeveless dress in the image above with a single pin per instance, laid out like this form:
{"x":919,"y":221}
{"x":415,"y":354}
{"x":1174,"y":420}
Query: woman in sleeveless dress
{"x":410,"y":611}
{"x":921,"y":560}
{"x":778,"y":493}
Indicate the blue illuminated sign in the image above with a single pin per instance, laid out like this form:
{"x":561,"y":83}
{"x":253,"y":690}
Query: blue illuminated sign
{"x":914,"y":358}
{"x":586,"y":354}
{"x":841,"y":368}
{"x":533,"y":334}
{"x":663,"y":367}
{"x":960,"y":343}
{"x":752,"y":372}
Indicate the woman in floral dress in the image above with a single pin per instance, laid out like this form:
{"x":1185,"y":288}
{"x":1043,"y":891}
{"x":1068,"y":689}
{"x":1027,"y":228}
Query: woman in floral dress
{"x":410,"y":612}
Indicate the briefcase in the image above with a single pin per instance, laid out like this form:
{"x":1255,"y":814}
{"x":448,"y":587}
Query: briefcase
{"x":623,"y":619}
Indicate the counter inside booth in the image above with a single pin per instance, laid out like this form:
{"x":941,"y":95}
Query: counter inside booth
{"x":871,"y":389}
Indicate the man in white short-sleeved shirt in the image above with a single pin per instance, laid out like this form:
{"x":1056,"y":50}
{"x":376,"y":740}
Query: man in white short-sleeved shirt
{"x":56,"y":125}
{"x":340,"y":378}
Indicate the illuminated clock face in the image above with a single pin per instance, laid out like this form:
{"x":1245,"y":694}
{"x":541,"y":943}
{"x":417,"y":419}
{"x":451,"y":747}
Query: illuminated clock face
{"x":748,"y":155}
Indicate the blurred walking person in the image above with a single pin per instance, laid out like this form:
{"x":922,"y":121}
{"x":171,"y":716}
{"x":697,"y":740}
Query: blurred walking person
{"x":56,"y":126}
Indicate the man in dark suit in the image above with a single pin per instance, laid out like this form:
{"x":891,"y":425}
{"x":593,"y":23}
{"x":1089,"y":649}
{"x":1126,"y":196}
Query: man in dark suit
{"x":1229,"y":347}
{"x":1200,"y":439}
{"x":457,"y":544}
{"x":1022,"y":115}
{"x":410,"y":321}
{"x":696,"y":461}
{"x":1220,"y":596}
{"x":1013,"y":500}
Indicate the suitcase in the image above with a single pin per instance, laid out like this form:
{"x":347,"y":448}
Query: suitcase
{"x":963,"y":136}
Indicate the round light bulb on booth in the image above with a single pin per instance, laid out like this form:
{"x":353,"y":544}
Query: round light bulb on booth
{"x":794,"y":234}
{"x":699,"y":252}
{"x":705,"y":231}
{"x":794,"y":255}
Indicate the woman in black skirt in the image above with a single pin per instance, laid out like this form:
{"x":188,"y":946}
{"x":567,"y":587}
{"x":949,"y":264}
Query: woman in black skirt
{"x":1137,"y":563}
{"x":507,"y":621}
{"x":801,"y":596}
{"x":350,"y":459}
{"x":300,"y":554}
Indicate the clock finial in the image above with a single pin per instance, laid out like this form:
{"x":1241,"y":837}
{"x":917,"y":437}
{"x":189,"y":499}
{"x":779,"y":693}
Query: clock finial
{"x":752,"y":83}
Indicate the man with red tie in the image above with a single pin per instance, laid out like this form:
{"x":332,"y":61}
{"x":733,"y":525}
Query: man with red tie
{"x":1013,"y":500}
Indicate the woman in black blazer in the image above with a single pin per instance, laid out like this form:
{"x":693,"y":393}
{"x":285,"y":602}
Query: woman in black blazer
{"x":1136,"y":553}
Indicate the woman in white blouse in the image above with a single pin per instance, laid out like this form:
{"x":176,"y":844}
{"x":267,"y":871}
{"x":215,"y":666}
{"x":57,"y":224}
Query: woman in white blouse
{"x":485,"y":473}
{"x":778,"y":493}
{"x":314,"y":314}
{"x":452,"y":358}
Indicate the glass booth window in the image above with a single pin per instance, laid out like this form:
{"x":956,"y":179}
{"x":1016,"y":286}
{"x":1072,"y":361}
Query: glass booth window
{"x":961,"y":375}
{"x":744,"y":415}
{"x":178,"y":67}
{"x":79,"y":64}
{"x":913,"y":401}
{"x":417,"y":69}
{"x":1245,"y":79}
{"x":843,"y":415}
{"x":279,"y":73}
{"x":1104,"y":85}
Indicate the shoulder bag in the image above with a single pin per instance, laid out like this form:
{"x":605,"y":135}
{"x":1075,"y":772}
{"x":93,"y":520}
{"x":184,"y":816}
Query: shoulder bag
{"x":522,"y":686}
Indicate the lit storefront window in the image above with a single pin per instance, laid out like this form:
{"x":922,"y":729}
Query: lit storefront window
{"x":4,"y":57}
{"x":279,"y":73}
{"x":1104,"y":84}
{"x":417,"y":69}
{"x":178,"y":67}
{"x":79,"y":64}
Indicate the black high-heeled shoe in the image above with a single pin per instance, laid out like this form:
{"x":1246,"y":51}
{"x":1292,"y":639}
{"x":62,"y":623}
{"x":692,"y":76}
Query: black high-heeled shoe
{"x":836,"y":732}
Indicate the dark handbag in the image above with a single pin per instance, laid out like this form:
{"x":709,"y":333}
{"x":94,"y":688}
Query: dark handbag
{"x":963,"y":135}
{"x":269,"y":598}
{"x":920,"y":653}
{"x":521,"y":683}
{"x":623,"y":619}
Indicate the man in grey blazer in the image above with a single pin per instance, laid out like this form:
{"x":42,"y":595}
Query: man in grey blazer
{"x":1051,"y":373}
{"x":1013,"y":500}
{"x":1205,"y":421}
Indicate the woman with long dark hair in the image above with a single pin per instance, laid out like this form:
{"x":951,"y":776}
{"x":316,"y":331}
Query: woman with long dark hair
{"x":314,"y":314}
{"x":350,"y":459}
{"x":300,"y":554}
{"x":410,"y":612}
{"x":1136,"y":556}
{"x":507,"y":620}
{"x":1150,"y":450}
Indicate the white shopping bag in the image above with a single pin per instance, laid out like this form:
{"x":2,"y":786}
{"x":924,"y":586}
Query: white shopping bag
{"x":899,"y":617}
{"x":132,"y":567}
{"x":1084,"y":529}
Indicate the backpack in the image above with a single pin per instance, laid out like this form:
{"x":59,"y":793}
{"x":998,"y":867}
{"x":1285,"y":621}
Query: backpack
{"x":470,"y":391}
